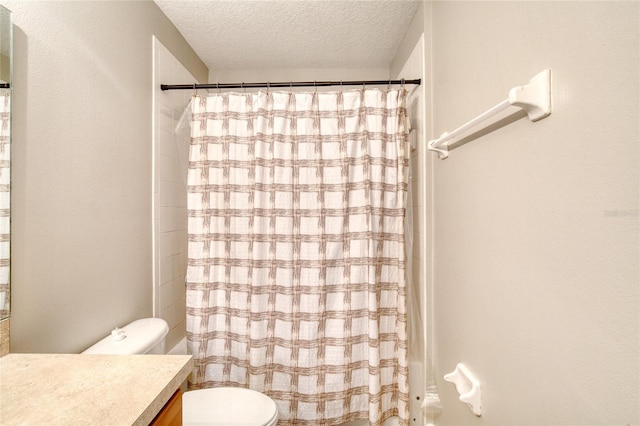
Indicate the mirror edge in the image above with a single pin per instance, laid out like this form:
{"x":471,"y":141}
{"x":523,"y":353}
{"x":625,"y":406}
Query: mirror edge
{"x":6,"y":79}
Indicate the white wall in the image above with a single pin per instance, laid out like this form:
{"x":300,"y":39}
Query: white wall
{"x":81,"y":190}
{"x":536,"y":224}
{"x":410,"y":62}
{"x":298,"y":74}
{"x":170,"y":162}
{"x":418,"y":263}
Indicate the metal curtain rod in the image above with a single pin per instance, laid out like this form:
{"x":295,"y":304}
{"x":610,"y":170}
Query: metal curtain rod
{"x":285,"y":84}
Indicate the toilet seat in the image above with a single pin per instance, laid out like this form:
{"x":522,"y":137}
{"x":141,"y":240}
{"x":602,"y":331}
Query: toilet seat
{"x":227,"y":406}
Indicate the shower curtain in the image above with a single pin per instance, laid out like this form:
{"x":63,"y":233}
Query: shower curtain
{"x":5,"y":201}
{"x":296,"y":264}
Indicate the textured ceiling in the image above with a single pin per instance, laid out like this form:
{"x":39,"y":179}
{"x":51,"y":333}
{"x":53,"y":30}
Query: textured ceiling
{"x":239,"y":34}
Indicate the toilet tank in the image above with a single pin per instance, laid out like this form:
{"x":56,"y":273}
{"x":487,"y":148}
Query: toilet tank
{"x":143,"y":336}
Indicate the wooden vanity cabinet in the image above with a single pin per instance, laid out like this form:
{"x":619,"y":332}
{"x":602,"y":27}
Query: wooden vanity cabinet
{"x":171,"y":413}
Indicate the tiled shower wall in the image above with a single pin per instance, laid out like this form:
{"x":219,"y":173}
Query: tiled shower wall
{"x":170,"y":160}
{"x":419,"y":263}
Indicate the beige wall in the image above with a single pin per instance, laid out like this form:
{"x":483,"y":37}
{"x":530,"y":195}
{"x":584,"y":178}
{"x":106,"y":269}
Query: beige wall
{"x":5,"y":68}
{"x":536,"y":224}
{"x":81,"y":218}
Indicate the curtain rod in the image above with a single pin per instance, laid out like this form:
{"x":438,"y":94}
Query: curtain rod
{"x":285,"y":84}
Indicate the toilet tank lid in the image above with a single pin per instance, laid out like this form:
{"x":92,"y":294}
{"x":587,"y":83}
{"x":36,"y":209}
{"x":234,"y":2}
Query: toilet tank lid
{"x":141,"y":336}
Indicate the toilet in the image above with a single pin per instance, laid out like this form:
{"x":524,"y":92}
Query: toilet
{"x":223,"y":406}
{"x":228,"y":407}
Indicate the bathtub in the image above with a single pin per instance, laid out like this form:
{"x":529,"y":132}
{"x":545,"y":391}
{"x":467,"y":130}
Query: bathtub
{"x":180,"y":348}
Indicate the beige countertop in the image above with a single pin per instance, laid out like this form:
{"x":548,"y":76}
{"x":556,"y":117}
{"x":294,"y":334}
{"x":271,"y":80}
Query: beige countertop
{"x":60,"y":389}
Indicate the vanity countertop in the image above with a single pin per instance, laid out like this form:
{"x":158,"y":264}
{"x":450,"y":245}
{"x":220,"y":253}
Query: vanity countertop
{"x":61,"y":389}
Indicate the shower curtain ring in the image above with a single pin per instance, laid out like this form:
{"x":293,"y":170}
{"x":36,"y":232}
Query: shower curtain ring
{"x":268,"y":87}
{"x":195,"y":90}
{"x":218,"y":87}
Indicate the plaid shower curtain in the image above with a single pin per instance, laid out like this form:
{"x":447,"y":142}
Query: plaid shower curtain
{"x":296,"y":268}
{"x":5,"y":197}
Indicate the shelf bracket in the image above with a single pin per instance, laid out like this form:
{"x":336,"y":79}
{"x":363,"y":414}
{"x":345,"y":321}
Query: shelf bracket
{"x":535,"y":97}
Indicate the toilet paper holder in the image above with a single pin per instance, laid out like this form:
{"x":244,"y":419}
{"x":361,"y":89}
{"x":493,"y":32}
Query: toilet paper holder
{"x":467,"y":386}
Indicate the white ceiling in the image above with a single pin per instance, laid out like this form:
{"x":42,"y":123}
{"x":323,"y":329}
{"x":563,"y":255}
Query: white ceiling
{"x":243,"y":34}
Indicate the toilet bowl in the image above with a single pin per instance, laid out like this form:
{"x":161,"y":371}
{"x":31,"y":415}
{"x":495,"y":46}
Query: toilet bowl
{"x":222,"y":406}
{"x":226,"y":406}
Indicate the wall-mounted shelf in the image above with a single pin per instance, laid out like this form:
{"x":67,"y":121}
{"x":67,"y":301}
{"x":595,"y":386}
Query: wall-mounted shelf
{"x":534,"y":98}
